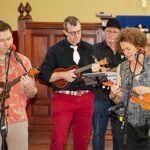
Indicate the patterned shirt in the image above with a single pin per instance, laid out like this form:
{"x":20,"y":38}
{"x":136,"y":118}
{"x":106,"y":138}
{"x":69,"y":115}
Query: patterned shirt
{"x":136,"y":113}
{"x":16,"y":101}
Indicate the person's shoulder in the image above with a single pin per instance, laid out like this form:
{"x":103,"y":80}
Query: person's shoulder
{"x":86,"y":46}
{"x":25,"y":60}
{"x":100,"y":44}
{"x":147,"y":59}
{"x":125,"y":64}
{"x":55,"y":48}
{"x":23,"y":57}
{"x":84,"y":43}
{"x":57,"y":45}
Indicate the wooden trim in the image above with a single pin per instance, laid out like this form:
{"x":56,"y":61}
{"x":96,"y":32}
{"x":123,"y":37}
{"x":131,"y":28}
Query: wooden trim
{"x":57,"y":25}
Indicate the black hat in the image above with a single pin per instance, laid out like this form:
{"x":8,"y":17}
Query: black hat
{"x":113,"y":23}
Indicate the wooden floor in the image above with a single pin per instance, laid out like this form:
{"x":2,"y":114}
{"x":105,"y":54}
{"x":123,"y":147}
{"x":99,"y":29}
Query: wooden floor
{"x":46,"y":147}
{"x":40,"y":139}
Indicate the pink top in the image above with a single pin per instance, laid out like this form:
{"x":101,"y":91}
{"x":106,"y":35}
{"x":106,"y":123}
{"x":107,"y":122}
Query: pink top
{"x":17,"y":99}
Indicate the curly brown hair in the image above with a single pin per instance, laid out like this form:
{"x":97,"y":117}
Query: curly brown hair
{"x":131,"y":35}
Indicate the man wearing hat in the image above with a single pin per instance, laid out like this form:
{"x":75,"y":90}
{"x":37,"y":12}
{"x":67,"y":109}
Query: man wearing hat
{"x":102,"y":101}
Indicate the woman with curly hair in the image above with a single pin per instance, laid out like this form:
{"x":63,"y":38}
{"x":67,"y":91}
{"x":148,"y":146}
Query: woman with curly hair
{"x":133,"y":90}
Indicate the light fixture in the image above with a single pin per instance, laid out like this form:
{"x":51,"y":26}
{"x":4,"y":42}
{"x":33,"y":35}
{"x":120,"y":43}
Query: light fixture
{"x":144,"y":3}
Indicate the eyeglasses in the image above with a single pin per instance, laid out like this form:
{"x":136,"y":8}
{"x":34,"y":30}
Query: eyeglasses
{"x":113,"y":32}
{"x":74,"y":33}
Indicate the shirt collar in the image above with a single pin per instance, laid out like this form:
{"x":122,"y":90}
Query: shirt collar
{"x":106,"y":45}
{"x":69,"y":44}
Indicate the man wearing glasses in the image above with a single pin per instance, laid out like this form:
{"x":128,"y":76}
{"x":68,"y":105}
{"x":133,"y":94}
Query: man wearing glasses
{"x":102,"y":101}
{"x":71,"y":104}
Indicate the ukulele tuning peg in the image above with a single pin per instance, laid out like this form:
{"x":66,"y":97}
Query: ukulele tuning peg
{"x":108,"y":88}
{"x":103,"y":87}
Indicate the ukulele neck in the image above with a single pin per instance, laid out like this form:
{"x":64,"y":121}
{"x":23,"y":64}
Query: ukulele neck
{"x":79,"y":70}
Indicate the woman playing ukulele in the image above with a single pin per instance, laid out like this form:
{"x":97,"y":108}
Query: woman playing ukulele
{"x":134,"y":75}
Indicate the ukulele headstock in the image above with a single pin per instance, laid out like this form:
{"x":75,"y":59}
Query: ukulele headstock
{"x":104,"y":62}
{"x":34,"y":71}
{"x":106,"y":84}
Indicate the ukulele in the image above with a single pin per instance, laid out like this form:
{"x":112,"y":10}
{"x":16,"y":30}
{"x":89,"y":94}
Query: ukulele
{"x":32,"y":72}
{"x":61,"y":83}
{"x":143,"y":100}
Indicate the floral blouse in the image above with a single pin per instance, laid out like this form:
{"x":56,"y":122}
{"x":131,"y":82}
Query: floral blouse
{"x":136,"y":113}
{"x":17,"y":100}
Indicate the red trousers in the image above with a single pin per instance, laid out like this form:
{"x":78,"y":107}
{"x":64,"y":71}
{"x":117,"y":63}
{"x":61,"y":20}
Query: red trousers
{"x":70,"y":110}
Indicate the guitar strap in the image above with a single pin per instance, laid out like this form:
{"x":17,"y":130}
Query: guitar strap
{"x":18,"y":59}
{"x":127,"y":73}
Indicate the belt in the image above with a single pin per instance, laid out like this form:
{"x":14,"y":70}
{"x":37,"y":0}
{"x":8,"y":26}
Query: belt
{"x":74,"y":93}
